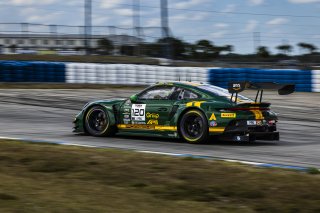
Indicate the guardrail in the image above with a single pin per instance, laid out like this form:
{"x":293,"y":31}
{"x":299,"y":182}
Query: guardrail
{"x":130,"y":74}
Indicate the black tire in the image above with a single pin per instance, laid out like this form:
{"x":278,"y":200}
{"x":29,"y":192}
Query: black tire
{"x":97,"y":122}
{"x":193,"y":127}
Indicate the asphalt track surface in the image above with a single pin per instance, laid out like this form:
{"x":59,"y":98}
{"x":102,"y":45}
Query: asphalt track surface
{"x":48,"y":114}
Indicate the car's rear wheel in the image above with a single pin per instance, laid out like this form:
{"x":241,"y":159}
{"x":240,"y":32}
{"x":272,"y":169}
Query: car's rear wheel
{"x":97,"y":122}
{"x":193,"y":127}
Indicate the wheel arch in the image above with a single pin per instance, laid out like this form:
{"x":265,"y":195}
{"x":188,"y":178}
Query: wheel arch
{"x":109,"y":110}
{"x":186,"y":110}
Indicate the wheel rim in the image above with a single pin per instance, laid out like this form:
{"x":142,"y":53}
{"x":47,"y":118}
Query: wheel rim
{"x":193,"y":126}
{"x":97,"y":120}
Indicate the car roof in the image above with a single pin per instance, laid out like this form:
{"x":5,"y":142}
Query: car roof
{"x":181,"y":83}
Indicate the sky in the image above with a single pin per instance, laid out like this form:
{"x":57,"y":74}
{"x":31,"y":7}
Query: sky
{"x":242,"y":23}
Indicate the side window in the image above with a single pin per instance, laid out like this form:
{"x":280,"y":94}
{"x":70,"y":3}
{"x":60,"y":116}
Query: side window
{"x":189,"y":95}
{"x":180,"y":94}
{"x":158,"y":93}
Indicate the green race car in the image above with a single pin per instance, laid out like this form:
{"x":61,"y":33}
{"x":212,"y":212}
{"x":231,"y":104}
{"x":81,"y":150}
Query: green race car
{"x":191,"y":111}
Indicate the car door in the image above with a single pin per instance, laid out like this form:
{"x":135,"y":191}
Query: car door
{"x":153,"y":107}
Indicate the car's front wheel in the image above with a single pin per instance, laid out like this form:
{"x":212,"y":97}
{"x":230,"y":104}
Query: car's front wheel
{"x":97,"y":122}
{"x":193,"y":127}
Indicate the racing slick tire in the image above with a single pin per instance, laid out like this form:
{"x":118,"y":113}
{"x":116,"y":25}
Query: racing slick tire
{"x":193,"y":127}
{"x":97,"y":122}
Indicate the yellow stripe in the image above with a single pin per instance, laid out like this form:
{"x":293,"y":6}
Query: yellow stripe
{"x":257,"y":114}
{"x":147,"y":127}
{"x":216,"y":129}
{"x":189,"y":104}
{"x":121,"y":126}
{"x":166,"y":128}
{"x":198,"y":103}
{"x":194,"y":103}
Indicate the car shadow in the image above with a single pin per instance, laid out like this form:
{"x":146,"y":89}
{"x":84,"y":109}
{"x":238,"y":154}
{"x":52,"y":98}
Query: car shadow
{"x":211,"y":141}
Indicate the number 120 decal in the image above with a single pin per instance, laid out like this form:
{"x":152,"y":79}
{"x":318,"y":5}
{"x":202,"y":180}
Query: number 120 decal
{"x":138,"y":112}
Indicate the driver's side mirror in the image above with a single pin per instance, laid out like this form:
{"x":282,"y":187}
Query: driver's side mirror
{"x":133,"y":98}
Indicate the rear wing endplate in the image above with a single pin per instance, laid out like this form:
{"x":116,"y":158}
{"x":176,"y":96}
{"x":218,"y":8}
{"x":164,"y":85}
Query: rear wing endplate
{"x":237,"y":87}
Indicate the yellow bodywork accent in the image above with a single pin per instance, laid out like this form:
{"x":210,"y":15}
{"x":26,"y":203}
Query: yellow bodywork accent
{"x":198,"y":103}
{"x":166,"y":128}
{"x":194,"y":103}
{"x":192,"y":83}
{"x":258,"y":114}
{"x":216,"y":129}
{"x":213,"y":117}
{"x":147,"y":127}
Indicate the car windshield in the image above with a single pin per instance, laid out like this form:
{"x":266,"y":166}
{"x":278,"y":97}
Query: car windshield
{"x":218,"y":91}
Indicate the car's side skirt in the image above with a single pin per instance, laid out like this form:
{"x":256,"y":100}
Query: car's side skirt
{"x":145,"y":128}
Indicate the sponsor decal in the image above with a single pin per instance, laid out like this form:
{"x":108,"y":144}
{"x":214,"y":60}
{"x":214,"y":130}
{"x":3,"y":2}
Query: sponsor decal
{"x":216,"y":129}
{"x":251,"y":122}
{"x":259,"y":123}
{"x":126,"y":116}
{"x":228,"y":115}
{"x":146,"y":126}
{"x":138,"y":112}
{"x":213,"y":117}
{"x":152,"y":115}
{"x":153,"y":122}
{"x":139,"y":126}
{"x":236,"y":86}
{"x":213,"y":123}
{"x":126,"y":121}
{"x":127,"y":110}
{"x":138,"y":122}
{"x":175,"y":134}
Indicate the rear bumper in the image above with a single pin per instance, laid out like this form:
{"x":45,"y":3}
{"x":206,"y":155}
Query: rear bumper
{"x":238,"y":130}
{"x":250,"y":137}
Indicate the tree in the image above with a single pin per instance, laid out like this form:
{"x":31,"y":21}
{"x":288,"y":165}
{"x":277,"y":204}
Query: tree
{"x":204,"y":50}
{"x":285,"y":48}
{"x":263,"y":52}
{"x":13,"y":48}
{"x":227,"y":48}
{"x":151,"y":49}
{"x":127,"y":50}
{"x":309,"y":47}
{"x":105,"y":46}
{"x":177,"y":48}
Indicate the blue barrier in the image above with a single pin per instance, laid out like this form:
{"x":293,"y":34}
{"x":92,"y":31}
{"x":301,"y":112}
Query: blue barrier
{"x":57,"y":72}
{"x":18,"y":71}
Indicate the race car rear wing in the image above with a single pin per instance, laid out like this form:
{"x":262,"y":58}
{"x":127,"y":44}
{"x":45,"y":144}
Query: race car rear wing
{"x":237,"y":87}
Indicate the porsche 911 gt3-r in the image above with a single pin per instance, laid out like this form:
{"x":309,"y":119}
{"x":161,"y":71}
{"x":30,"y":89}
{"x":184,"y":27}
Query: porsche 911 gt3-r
{"x":186,"y":110}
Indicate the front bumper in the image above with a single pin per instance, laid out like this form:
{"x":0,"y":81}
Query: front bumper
{"x":78,"y":125}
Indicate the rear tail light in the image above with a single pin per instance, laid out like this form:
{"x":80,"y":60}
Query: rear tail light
{"x":271,"y":122}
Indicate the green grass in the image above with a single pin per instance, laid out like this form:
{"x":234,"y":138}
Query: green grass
{"x":50,"y":178}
